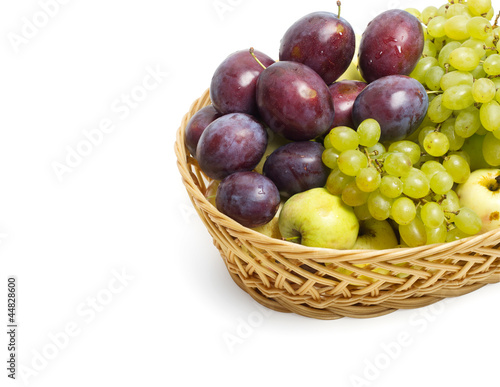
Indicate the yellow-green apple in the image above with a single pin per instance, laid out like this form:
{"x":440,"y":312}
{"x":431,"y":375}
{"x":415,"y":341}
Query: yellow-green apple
{"x":316,"y":218}
{"x":481,"y":193}
{"x":375,"y":235}
{"x":271,"y":229}
{"x":352,"y":72}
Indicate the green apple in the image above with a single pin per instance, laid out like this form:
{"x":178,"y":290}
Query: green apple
{"x":375,"y":235}
{"x":316,"y":218}
{"x":481,"y":193}
{"x":272,"y":229}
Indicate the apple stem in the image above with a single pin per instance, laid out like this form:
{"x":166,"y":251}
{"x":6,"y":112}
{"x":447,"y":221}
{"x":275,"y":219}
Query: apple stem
{"x":292,"y":238}
{"x":496,"y":187}
{"x":339,"y":4}
{"x":252,"y":52}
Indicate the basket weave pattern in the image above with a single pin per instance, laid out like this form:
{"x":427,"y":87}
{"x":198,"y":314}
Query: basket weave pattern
{"x":330,"y":284}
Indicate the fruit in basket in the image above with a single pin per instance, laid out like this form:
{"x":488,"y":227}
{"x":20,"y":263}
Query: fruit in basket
{"x":344,"y":94}
{"x":197,"y":124}
{"x":294,"y":101}
{"x":297,"y":167}
{"x":272,"y":228}
{"x":375,"y":235}
{"x":316,"y":218}
{"x":232,"y":89}
{"x":273,"y":143}
{"x":233,"y":143}
{"x":392,"y":44}
{"x":481,"y":193}
{"x":249,"y":198}
{"x":397,"y":102}
{"x":321,"y":40}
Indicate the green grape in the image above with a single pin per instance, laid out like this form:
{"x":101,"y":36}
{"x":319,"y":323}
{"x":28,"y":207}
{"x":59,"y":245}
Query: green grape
{"x":440,"y":42}
{"x":368,"y":179}
{"x":435,"y":27}
{"x":442,"y":10}
{"x":477,"y":46}
{"x":462,"y":154}
{"x":436,"y":144}
{"x":403,"y":211}
{"x":450,"y":204}
{"x":337,"y":181}
{"x":456,"y":27}
{"x":329,"y":157}
{"x":444,"y":55}
{"x":441,"y":182}
{"x":415,"y":12}
{"x":455,"y":235}
{"x":491,"y":150}
{"x":496,"y":133}
{"x":483,"y":90}
{"x":433,"y":78}
{"x":409,"y":148}
{"x":431,"y":167}
{"x":458,"y":97}
{"x":428,"y":13}
{"x":448,"y":129}
{"x":456,"y":9}
{"x":430,"y":49}
{"x":379,"y":205}
{"x":467,"y":122}
{"x":437,"y":112}
{"x":491,"y":65}
{"x":489,"y":114}
{"x":414,"y":234}
{"x":457,"y":167}
{"x":432,"y":215}
{"x":479,"y":7}
{"x":479,"y":28}
{"x":353,"y":196}
{"x":344,"y":138}
{"x":424,"y":132}
{"x":327,"y":143}
{"x":456,"y":78}
{"x":391,"y":186}
{"x":468,"y":221}
{"x":351,"y":162}
{"x":464,"y":59}
{"x":497,"y":95}
{"x":436,"y":235}
{"x":423,"y":65}
{"x":489,"y":44}
{"x":376,"y":151}
{"x":362,"y":212}
{"x":416,"y":184}
{"x":397,"y":164}
{"x":478,"y":72}
{"x":369,"y":132}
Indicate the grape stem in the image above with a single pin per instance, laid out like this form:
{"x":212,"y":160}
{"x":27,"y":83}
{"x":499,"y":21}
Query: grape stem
{"x":496,"y":21}
{"x":434,"y":92}
{"x":252,"y":52}
{"x":339,"y":4}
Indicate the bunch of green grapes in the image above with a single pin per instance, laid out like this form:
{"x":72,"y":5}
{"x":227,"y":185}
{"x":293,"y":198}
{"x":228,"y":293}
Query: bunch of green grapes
{"x":401,"y":182}
{"x":460,"y":67}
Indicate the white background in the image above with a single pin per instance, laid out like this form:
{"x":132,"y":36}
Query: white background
{"x":123,"y":209}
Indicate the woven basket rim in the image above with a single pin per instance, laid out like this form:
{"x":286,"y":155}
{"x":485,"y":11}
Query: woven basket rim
{"x":182,"y":153}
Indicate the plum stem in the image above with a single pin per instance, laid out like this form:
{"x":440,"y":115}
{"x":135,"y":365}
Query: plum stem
{"x":339,"y":4}
{"x":252,"y":52}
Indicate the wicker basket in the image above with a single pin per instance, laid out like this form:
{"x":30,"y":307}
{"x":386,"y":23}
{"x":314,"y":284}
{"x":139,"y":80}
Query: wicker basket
{"x":288,"y":277}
